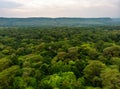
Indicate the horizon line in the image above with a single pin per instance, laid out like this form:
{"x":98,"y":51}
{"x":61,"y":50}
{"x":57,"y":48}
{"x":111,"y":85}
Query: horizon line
{"x":55,"y":17}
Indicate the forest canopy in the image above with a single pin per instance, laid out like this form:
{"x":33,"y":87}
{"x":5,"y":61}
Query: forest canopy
{"x":60,"y":57}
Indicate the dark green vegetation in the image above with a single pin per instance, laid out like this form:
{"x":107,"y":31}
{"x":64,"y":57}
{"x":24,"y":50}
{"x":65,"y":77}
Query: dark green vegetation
{"x":60,"y":58}
{"x":20,"y":22}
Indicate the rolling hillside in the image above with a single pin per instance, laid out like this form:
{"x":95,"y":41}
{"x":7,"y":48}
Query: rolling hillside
{"x":13,"y":22}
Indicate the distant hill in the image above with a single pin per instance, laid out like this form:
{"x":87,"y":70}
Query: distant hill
{"x":13,"y":22}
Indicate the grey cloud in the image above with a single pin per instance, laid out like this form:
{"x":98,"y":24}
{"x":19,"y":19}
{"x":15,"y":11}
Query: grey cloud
{"x":96,"y":8}
{"x":8,"y":4}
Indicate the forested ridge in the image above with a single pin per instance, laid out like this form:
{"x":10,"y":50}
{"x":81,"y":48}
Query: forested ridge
{"x":63,"y":21}
{"x":60,"y":57}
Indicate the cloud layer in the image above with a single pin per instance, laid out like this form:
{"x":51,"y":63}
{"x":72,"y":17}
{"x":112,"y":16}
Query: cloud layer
{"x":60,"y":8}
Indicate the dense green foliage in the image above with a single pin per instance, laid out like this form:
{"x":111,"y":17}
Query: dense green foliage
{"x":60,"y":58}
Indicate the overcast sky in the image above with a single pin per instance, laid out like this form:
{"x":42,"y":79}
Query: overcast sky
{"x":60,"y":8}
